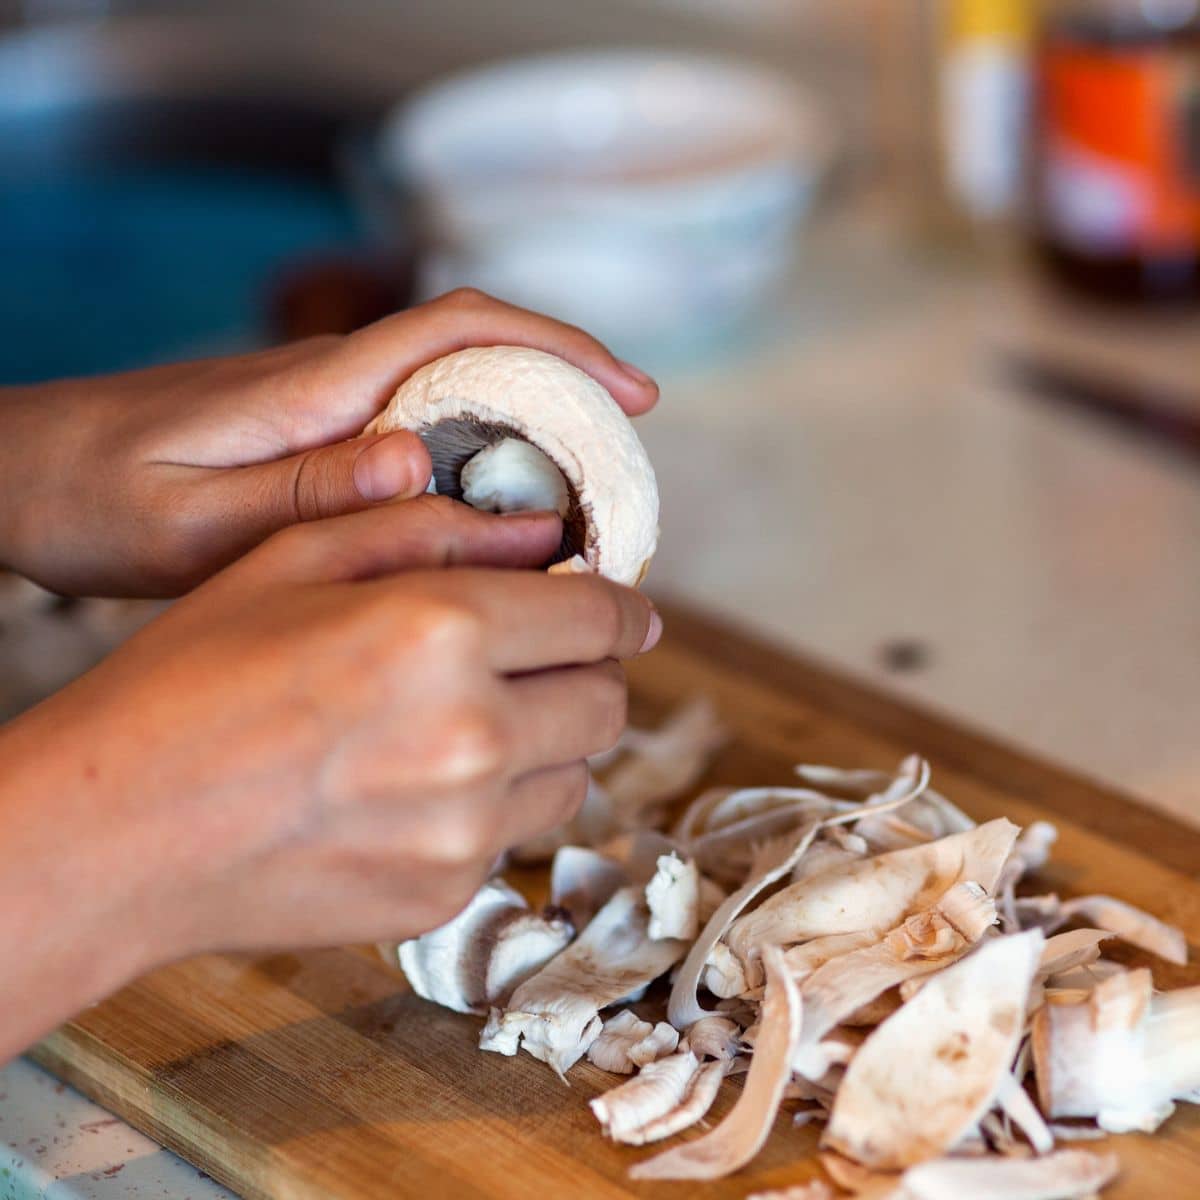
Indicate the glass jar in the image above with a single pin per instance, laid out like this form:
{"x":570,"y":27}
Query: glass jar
{"x":1116,"y":161}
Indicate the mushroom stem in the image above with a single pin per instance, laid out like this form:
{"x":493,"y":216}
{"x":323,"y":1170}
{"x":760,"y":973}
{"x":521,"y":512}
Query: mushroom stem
{"x":1126,"y":1076}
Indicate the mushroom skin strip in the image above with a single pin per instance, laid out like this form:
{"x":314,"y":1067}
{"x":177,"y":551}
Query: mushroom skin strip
{"x":555,"y":1013}
{"x":739,"y":1137}
{"x":923,"y":944}
{"x":666,"y":1096}
{"x":1064,"y":1175}
{"x":683,"y":1008}
{"x":932,"y":1069}
{"x":875,"y":893}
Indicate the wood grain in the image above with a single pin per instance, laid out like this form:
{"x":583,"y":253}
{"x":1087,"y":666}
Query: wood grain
{"x":318,"y":1076}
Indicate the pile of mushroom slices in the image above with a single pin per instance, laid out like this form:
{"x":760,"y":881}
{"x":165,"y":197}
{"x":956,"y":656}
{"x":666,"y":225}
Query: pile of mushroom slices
{"x":856,"y":948}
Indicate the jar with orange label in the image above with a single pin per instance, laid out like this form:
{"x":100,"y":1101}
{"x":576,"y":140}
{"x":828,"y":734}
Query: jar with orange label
{"x":1117,"y":147}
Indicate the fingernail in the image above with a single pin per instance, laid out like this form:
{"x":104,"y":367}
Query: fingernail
{"x":653,"y":633}
{"x":636,"y":374}
{"x":381,"y":472}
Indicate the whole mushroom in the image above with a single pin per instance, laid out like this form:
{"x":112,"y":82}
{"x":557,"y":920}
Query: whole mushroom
{"x":511,"y":429}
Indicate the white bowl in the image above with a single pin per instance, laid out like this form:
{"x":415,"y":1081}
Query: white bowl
{"x":640,"y":193}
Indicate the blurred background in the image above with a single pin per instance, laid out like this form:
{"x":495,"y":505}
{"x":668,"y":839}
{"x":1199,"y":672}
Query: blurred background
{"x":919,"y":279}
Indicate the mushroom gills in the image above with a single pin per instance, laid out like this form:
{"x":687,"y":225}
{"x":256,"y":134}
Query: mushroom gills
{"x":494,"y":468}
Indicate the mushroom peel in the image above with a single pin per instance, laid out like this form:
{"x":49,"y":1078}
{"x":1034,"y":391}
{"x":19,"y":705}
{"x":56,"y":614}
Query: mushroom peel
{"x":468,"y":406}
{"x":741,"y":1134}
{"x":932,"y":1069}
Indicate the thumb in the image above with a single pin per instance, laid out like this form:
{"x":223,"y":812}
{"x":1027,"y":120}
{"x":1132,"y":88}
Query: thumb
{"x":326,"y":481}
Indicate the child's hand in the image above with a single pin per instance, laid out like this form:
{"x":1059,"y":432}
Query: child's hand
{"x":147,"y":483}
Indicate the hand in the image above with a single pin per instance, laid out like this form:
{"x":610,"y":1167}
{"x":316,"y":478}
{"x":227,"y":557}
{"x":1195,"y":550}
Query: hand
{"x":306,"y":750}
{"x":147,"y":483}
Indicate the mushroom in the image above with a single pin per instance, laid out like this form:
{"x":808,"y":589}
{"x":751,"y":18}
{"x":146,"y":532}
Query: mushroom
{"x":773,"y":861}
{"x":521,"y":944}
{"x":1122,"y":1056}
{"x":627,"y":1042}
{"x":875,"y":893}
{"x":665,"y":1097}
{"x":931,"y":1070}
{"x":673,"y":897}
{"x":582,"y":880}
{"x":554,"y":1013}
{"x":741,"y":1134}
{"x":923,"y":944}
{"x":715,"y":1037}
{"x":449,"y":965}
{"x":510,"y":428}
{"x":815,"y":1189}
{"x":1064,"y":1175}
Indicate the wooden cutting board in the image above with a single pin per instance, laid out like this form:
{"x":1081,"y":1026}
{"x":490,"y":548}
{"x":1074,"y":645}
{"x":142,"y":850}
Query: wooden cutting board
{"x":318,"y":1075}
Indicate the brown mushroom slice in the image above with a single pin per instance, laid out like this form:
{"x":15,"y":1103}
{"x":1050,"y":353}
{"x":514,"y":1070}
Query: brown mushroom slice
{"x":1122,"y":1056}
{"x":555,"y":1013}
{"x":582,"y":881}
{"x":808,"y":957}
{"x":1066,"y":951}
{"x":932,"y":1069}
{"x":877,"y":893}
{"x":1130,"y":924}
{"x":477,"y":409}
{"x":741,"y":1134}
{"x":627,"y":1042}
{"x":449,"y":964}
{"x":926,"y":942}
{"x":775,"y":860}
{"x":1063,"y":1175}
{"x":665,"y":1097}
{"x":521,"y":944}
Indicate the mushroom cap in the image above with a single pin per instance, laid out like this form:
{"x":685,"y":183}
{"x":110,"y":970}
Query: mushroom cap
{"x":512,"y":391}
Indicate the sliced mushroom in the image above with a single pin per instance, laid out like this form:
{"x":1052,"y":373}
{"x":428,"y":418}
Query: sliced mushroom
{"x":877,"y":893}
{"x":522,"y":943}
{"x":715,"y":1037}
{"x":774,"y":861}
{"x":449,"y":965}
{"x":673,"y":897}
{"x":657,"y":767}
{"x":554,"y":1014}
{"x":740,"y":1135}
{"x":627,"y":1042}
{"x":665,"y":1097}
{"x":469,"y":409}
{"x":925,"y":943}
{"x":1013,"y":1100}
{"x":1123,"y":1055}
{"x":930,"y":1071}
{"x":815,"y":1189}
{"x":1064,"y":1175}
{"x":582,"y":881}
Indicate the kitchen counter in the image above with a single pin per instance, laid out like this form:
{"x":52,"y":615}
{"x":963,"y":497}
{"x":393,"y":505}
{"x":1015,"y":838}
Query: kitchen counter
{"x":873,"y":487}
{"x":863,"y":482}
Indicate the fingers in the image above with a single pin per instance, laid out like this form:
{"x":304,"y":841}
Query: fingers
{"x":532,"y":621}
{"x":378,"y":358}
{"x":428,"y":532}
{"x":539,"y":802}
{"x":559,"y":717}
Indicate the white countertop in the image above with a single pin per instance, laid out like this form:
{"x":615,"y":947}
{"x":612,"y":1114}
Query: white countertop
{"x":872,"y":475}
